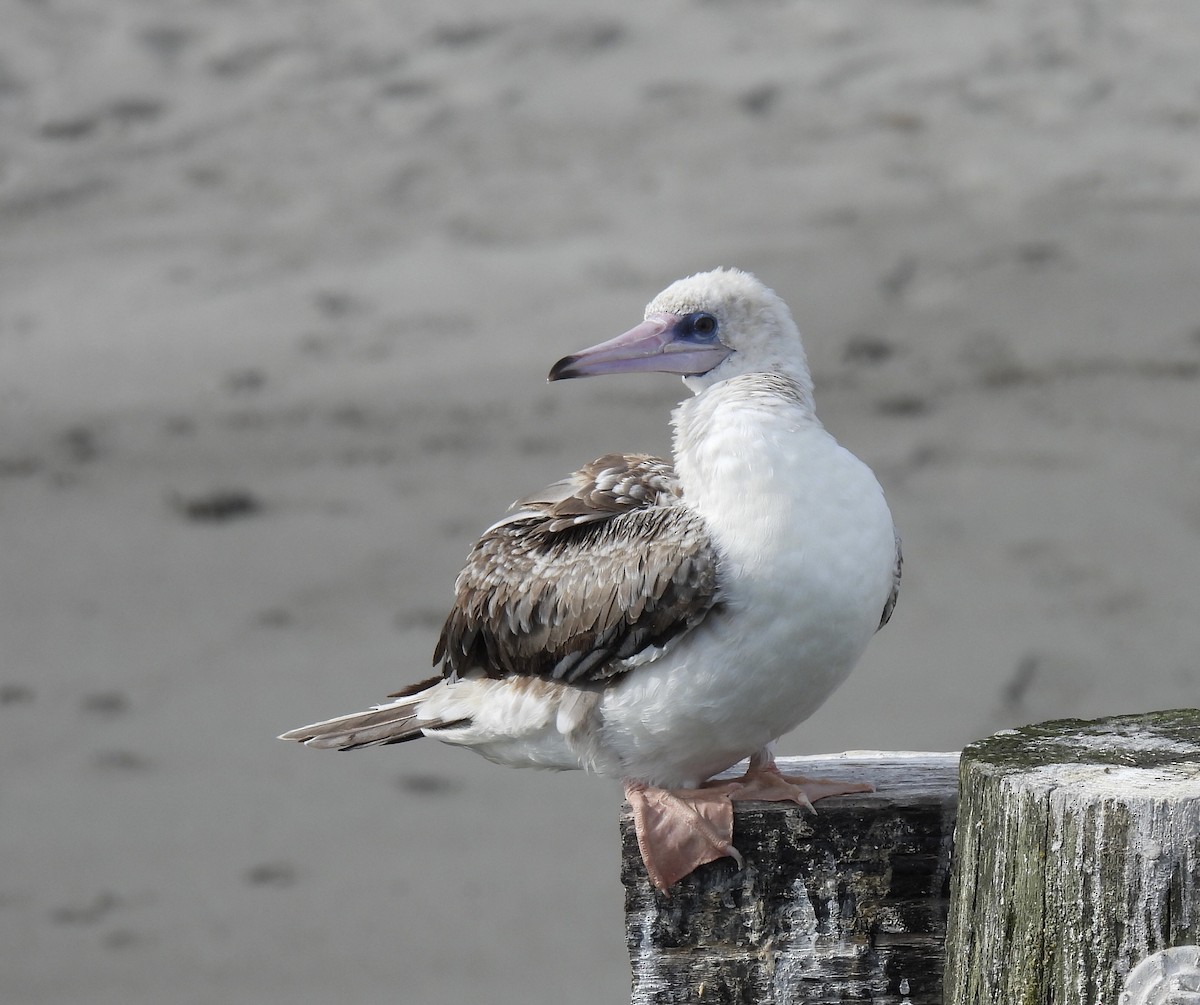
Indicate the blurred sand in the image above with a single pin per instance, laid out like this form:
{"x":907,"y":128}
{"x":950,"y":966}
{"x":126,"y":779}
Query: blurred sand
{"x":279,"y":286}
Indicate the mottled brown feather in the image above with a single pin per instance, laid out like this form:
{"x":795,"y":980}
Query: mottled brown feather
{"x":598,"y":568}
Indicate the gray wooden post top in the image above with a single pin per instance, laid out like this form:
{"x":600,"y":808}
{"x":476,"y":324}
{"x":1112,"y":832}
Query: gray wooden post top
{"x":1147,"y":741}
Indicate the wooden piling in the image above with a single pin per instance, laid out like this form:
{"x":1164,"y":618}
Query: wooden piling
{"x":846,"y":904}
{"x":1076,"y":880}
{"x":1077,"y":854}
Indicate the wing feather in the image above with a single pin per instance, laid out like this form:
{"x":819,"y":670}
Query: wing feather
{"x":600,"y":567}
{"x":897,"y":571}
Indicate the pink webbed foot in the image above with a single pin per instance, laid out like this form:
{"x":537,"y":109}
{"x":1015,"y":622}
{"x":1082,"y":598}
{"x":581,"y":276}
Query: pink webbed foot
{"x":680,"y":830}
{"x":764,"y":781}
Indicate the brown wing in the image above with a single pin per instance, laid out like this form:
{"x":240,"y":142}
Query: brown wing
{"x":600,"y":567}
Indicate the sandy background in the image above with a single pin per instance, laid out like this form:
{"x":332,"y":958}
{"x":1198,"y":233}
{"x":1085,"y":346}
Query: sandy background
{"x":279,"y":286}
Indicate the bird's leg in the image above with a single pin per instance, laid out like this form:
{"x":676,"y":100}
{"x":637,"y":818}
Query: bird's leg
{"x":679,"y":830}
{"x":764,"y":781}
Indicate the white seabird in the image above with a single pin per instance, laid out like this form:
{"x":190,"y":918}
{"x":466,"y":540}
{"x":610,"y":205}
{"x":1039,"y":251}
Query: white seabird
{"x":659,"y":622}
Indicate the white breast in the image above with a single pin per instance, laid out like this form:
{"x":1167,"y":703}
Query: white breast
{"x":808,"y":550}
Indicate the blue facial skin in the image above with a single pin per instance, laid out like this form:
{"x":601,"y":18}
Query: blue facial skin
{"x":697,"y":328}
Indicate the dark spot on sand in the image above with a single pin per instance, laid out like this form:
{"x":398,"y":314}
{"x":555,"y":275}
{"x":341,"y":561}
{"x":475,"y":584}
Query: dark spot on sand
{"x":899,"y":277}
{"x":19,"y":467}
{"x":993,"y":360}
{"x":1038,"y":253}
{"x":465,"y":34}
{"x":121,"y":761}
{"x":759,"y":100}
{"x":903,"y":121}
{"x":130,"y":111}
{"x":70,"y":129}
{"x":81,"y":444}
{"x":246,"y":60}
{"x":166,"y":41}
{"x":334,"y":303}
{"x":275,"y":617}
{"x":179,"y":425}
{"x":121,"y":938}
{"x":926,"y":454}
{"x":205,"y":175}
{"x":276,"y":874}
{"x":15,"y":694}
{"x":352,"y":416}
{"x":903,"y":406}
{"x":1022,"y":678}
{"x":406,"y":89}
{"x":314,"y":344}
{"x":218,"y":506}
{"x":107,"y":704}
{"x":245,"y":381}
{"x":1171,"y":369}
{"x":589,"y":36}
{"x":246,"y":418}
{"x":868,"y":349}
{"x":89,"y":913}
{"x":37,"y":200}
{"x":428,"y":785}
{"x":9,"y":82}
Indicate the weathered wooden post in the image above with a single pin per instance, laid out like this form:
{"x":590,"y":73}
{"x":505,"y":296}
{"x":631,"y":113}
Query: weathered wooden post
{"x":846,"y":904}
{"x":1077,"y":854}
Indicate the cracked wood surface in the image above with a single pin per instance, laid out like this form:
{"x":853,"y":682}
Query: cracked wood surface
{"x":849,"y":903}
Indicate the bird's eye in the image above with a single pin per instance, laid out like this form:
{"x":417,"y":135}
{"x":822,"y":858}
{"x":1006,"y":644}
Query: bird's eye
{"x":700,"y":326}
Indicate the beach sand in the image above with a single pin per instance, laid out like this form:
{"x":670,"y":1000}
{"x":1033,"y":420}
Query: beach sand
{"x":279,"y":287}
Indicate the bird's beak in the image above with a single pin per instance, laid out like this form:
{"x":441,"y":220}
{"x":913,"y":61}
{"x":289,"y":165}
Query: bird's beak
{"x":650,"y":347}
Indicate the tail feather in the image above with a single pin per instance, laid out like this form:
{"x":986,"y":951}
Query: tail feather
{"x":394,"y":722}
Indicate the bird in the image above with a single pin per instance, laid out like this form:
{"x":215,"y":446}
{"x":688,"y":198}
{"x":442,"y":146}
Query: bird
{"x":659,"y":621}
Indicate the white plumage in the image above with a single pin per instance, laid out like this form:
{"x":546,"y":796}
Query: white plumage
{"x":655,"y":622}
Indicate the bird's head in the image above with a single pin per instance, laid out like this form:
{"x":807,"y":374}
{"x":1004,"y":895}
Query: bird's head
{"x":707,"y":327}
